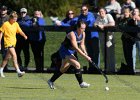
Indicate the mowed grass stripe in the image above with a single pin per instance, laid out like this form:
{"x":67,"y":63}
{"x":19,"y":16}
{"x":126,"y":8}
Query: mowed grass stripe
{"x":33,"y":86}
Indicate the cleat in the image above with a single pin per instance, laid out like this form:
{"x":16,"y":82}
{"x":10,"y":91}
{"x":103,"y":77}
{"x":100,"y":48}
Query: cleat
{"x":84,"y":85}
{"x":51,"y":84}
{"x":21,"y":74}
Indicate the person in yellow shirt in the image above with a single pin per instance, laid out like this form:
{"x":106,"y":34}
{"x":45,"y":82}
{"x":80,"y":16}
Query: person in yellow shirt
{"x":9,"y":30}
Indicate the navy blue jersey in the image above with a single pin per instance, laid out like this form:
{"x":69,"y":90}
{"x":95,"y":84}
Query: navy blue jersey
{"x":67,"y":42}
{"x":66,"y":48}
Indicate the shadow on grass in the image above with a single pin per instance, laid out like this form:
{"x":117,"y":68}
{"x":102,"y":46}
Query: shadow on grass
{"x":24,"y":88}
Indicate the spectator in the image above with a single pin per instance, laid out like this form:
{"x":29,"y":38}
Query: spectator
{"x":92,"y":38}
{"x":67,"y":21}
{"x":3,"y":18}
{"x":10,"y":41}
{"x":129,"y":4}
{"x":3,"y":14}
{"x":127,"y":43}
{"x":37,"y":40}
{"x":66,"y":51}
{"x":106,"y":20}
{"x":136,"y":18}
{"x":113,"y":7}
{"x":22,"y":44}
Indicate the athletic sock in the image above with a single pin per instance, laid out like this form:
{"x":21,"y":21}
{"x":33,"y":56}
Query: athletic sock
{"x":18,"y":70}
{"x":1,"y":70}
{"x":55,"y":76}
{"x":78,"y":75}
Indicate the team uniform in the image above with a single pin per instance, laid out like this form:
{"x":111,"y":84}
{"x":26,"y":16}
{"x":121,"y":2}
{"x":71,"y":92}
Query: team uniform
{"x":66,"y":52}
{"x":9,"y":33}
{"x":66,"y":47}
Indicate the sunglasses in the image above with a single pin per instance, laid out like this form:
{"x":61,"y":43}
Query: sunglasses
{"x":84,"y":10}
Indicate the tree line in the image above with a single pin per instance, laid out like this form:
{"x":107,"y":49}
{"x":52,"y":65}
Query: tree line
{"x":49,"y":7}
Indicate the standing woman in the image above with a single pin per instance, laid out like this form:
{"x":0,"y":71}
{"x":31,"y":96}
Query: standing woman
{"x":68,"y":47}
{"x":127,"y":43}
{"x":37,"y":40}
{"x":9,"y":30}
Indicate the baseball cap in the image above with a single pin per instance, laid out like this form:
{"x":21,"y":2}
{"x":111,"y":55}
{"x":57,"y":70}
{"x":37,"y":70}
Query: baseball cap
{"x":3,"y":7}
{"x":23,"y":10}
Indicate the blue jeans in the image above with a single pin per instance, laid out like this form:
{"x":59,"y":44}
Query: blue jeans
{"x":136,"y":47}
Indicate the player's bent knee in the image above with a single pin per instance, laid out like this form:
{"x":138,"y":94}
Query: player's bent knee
{"x":77,"y":66}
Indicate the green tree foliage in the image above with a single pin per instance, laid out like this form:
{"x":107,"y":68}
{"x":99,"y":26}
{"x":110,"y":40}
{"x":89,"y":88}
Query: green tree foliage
{"x":49,"y":7}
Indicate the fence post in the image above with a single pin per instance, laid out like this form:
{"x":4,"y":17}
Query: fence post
{"x":109,"y":55}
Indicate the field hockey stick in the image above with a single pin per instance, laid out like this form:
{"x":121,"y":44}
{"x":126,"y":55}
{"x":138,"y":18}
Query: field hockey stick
{"x":106,"y":78}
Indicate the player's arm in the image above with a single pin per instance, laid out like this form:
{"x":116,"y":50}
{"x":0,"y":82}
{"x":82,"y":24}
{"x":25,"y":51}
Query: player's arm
{"x":1,"y":35}
{"x":0,"y":38}
{"x":23,"y":34}
{"x":82,"y":45}
{"x":75,"y":46}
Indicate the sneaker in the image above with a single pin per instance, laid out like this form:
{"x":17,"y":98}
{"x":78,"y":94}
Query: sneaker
{"x":20,"y":74}
{"x":2,"y":75}
{"x":84,"y":85}
{"x":51,"y":84}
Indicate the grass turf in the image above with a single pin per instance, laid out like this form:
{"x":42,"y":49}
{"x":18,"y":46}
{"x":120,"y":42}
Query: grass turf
{"x":33,"y":86}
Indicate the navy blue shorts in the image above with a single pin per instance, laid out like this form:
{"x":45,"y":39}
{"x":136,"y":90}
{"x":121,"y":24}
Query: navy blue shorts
{"x":65,"y":52}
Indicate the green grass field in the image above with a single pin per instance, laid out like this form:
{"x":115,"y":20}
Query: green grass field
{"x":33,"y":86}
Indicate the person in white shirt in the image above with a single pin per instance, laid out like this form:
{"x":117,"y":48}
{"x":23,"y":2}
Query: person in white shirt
{"x":102,"y":21}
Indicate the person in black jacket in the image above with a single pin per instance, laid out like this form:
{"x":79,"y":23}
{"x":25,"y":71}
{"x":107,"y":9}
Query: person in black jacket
{"x":22,"y":44}
{"x":37,"y":40}
{"x":127,"y":42}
